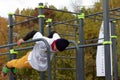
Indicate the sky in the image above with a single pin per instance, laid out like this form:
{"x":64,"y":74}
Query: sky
{"x":7,"y":6}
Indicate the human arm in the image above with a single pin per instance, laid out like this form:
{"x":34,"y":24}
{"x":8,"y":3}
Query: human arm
{"x":28,"y":36}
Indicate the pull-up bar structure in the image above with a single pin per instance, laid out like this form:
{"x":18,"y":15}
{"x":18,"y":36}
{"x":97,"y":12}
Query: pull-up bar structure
{"x":41,"y":22}
{"x":79,"y":48}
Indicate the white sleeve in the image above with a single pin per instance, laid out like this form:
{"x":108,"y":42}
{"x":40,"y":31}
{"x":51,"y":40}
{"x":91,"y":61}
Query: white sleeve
{"x":37,"y":35}
{"x":56,"y":36}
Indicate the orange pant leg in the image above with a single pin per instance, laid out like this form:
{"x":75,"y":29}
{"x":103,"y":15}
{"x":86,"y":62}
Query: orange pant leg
{"x":19,"y":63}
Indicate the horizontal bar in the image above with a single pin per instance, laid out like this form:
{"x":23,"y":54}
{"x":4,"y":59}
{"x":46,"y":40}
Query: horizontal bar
{"x":72,"y":47}
{"x":115,"y":14}
{"x":70,"y":24}
{"x":115,"y":19}
{"x":55,"y":23}
{"x":19,"y":49}
{"x":25,"y":21}
{"x":26,"y":48}
{"x":83,"y":46}
{"x":90,"y":45}
{"x":88,"y":40}
{"x":15,"y":44}
{"x":24,"y":16}
{"x":2,"y":54}
{"x":68,"y":35}
{"x":69,"y":57}
{"x":65,"y":68}
{"x":98,"y":13}
{"x":96,"y":18}
{"x":61,"y":11}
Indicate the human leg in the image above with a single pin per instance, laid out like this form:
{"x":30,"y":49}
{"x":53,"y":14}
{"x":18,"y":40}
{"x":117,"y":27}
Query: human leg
{"x":19,"y":63}
{"x":16,"y":64}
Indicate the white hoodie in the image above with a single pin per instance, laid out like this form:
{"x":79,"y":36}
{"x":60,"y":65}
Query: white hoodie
{"x":38,"y":56}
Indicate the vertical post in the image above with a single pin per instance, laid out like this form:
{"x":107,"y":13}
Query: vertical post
{"x":41,"y":17}
{"x":48,"y":55}
{"x":107,"y":40}
{"x":41,"y":27}
{"x":55,"y":66}
{"x":80,"y":57}
{"x":12,"y":56}
{"x":49,"y":65}
{"x":48,"y":21}
{"x":114,"y":52}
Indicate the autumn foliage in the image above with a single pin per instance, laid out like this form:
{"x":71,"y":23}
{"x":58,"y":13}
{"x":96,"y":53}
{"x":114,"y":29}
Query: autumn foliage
{"x":69,"y":30}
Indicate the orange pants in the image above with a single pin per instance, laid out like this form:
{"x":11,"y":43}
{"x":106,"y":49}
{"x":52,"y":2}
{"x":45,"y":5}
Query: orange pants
{"x":19,"y":63}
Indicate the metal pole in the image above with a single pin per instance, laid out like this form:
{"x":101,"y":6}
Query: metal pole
{"x":12,"y":56}
{"x":114,"y":51}
{"x":41,"y":27}
{"x":80,"y":67}
{"x":41,"y":18}
{"x":48,"y":55}
{"x":48,"y":29}
{"x":55,"y":67}
{"x":107,"y":39}
{"x":48,"y":21}
{"x":49,"y":65}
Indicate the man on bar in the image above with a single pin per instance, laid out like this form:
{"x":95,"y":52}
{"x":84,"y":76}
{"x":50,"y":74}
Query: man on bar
{"x":37,"y":58}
